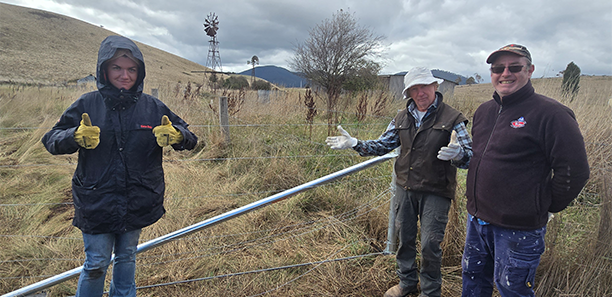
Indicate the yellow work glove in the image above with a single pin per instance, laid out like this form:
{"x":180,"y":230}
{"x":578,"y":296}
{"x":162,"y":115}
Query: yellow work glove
{"x":86,"y":135}
{"x":166,"y":134}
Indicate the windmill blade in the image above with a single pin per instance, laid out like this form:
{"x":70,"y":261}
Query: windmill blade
{"x":211,"y":24}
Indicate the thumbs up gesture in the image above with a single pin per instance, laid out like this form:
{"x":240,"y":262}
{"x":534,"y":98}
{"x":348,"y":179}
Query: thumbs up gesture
{"x":86,"y":135}
{"x":451,"y":152}
{"x":166,"y":134}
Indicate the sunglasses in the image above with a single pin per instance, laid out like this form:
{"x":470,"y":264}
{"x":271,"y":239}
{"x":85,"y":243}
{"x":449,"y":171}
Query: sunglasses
{"x":500,"y":69}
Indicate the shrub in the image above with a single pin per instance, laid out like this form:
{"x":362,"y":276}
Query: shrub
{"x":235,"y":83}
{"x":261,"y":85}
{"x":571,"y":80}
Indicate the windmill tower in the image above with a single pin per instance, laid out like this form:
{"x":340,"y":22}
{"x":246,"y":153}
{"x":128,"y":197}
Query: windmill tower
{"x":211,"y":25}
{"x":254,"y":61}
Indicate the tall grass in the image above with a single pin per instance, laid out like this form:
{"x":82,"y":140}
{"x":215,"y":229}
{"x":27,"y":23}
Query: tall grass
{"x":273,"y":148}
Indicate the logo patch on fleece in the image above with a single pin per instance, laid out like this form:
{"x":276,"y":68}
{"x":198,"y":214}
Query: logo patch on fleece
{"x":520,"y":123}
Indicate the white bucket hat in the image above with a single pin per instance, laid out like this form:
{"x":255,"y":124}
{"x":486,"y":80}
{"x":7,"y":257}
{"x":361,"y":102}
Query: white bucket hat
{"x":418,"y":76}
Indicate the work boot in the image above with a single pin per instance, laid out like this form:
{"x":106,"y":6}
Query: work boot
{"x":397,"y":291}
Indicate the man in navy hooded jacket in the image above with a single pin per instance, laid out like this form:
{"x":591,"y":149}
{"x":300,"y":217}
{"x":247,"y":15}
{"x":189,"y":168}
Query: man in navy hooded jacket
{"x":118,"y":186}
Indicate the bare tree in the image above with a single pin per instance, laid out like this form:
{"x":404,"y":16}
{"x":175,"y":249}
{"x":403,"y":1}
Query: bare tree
{"x":334,"y":51}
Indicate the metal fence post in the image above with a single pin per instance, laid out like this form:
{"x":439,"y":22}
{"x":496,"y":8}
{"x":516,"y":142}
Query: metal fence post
{"x":391,"y":231}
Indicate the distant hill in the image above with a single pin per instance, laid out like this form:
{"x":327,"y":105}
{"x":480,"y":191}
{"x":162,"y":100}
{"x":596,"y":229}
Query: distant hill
{"x":278,"y":76}
{"x":446,"y":75}
{"x":41,"y":47}
{"x":449,"y":76}
{"x":283,"y":77}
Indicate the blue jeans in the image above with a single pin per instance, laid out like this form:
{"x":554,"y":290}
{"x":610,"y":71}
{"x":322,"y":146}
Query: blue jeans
{"x":98,"y":251}
{"x":507,"y":257}
{"x":432,"y":210}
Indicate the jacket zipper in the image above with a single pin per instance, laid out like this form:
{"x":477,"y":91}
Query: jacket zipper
{"x":481,"y":157}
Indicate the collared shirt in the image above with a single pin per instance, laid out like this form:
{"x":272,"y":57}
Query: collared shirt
{"x":390,"y":139}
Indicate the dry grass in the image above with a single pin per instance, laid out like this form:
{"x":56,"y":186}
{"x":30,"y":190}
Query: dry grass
{"x":274,"y":146}
{"x":198,"y":188}
{"x":272,"y":150}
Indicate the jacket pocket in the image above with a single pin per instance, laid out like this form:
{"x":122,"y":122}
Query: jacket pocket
{"x":92,"y":207}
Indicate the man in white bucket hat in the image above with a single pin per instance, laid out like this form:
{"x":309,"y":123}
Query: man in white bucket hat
{"x":426,"y":176}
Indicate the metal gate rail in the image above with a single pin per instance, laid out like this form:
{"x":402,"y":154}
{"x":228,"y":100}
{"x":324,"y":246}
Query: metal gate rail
{"x":49,"y":282}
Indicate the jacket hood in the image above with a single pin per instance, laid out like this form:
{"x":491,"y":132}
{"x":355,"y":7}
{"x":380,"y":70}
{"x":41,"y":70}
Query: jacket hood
{"x":107,"y":50}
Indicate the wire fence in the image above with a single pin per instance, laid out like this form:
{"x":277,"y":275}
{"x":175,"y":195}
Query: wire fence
{"x":269,"y":237}
{"x":301,"y":230}
{"x":296,"y":231}
{"x":258,"y":239}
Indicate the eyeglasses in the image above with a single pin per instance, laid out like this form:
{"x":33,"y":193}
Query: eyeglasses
{"x":500,"y":69}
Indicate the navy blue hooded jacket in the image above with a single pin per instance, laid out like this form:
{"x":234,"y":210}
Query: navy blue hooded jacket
{"x":118,"y":186}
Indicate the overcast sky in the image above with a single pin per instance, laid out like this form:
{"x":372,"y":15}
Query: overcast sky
{"x":452,"y":35}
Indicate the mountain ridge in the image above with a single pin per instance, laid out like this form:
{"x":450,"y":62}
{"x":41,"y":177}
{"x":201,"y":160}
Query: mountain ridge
{"x":278,"y":76}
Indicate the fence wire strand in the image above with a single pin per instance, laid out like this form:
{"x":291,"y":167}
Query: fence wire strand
{"x":269,"y":239}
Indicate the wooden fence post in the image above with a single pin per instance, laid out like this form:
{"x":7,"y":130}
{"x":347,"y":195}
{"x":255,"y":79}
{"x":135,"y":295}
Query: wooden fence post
{"x":604,"y":236}
{"x":224,"y":118}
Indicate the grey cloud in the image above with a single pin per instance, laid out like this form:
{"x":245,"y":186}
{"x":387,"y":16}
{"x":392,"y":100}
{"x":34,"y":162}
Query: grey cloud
{"x":453,"y":35}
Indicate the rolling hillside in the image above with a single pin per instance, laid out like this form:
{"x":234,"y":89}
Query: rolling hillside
{"x":40,"y":47}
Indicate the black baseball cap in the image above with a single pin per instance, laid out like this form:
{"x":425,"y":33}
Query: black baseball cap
{"x":510,"y":48}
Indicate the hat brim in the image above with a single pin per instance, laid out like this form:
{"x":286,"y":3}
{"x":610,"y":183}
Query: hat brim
{"x":421,"y":82}
{"x":495,"y":54}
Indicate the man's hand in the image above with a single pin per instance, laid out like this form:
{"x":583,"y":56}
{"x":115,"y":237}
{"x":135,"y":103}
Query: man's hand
{"x":166,"y":134}
{"x":341,"y":142}
{"x":86,"y":135}
{"x":451,"y":152}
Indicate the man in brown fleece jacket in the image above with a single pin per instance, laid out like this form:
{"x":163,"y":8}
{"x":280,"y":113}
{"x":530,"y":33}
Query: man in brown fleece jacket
{"x":529,"y":161}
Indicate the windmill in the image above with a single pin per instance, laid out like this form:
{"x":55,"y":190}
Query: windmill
{"x":254,"y":61}
{"x":211,"y":25}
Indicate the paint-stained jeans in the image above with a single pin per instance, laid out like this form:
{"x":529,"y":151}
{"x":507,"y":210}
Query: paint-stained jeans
{"x":432,"y":210}
{"x":507,"y":257}
{"x":98,"y":252}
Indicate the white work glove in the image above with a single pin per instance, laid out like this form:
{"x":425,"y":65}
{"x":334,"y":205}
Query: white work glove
{"x":451,"y":152}
{"x":550,"y":216}
{"x":341,"y":142}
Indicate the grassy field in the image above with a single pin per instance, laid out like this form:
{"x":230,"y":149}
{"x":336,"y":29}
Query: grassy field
{"x":273,"y":148}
